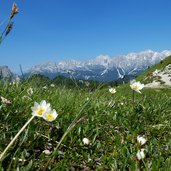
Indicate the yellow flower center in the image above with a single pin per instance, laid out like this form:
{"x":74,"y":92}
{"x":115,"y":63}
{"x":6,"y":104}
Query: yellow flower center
{"x":136,"y":87}
{"x":40,"y":111}
{"x":50,"y":116}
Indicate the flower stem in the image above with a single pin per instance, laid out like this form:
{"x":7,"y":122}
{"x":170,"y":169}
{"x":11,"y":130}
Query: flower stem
{"x":16,"y":136}
{"x":145,"y":165}
{"x":133,"y":99}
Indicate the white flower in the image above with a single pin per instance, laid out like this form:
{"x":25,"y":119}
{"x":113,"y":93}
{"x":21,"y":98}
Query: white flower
{"x":44,"y":87}
{"x":136,"y":86}
{"x":87,"y":99}
{"x":112,"y":90}
{"x":30,"y":91}
{"x":44,"y":110}
{"x":47,"y":152}
{"x":86,"y":141}
{"x":5,"y":101}
{"x":40,"y":109}
{"x":52,"y":85}
{"x":140,"y":154}
{"x":21,"y":160}
{"x":50,"y":115}
{"x":141,"y":140}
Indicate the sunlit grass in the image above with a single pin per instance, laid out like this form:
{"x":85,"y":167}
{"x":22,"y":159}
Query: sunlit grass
{"x":108,"y":121}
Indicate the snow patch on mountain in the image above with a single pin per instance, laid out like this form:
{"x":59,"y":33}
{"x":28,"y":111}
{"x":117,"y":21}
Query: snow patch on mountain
{"x":103,"y":67}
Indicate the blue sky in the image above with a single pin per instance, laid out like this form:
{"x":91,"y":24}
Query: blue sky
{"x":55,"y":30}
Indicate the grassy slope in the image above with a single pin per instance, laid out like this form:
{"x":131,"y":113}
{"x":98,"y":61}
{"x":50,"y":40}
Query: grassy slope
{"x":158,"y":66}
{"x":109,"y":122}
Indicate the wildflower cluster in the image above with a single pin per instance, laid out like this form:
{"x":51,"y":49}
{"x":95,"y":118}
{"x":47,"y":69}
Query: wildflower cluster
{"x":41,"y":110}
{"x":112,"y":90}
{"x":141,"y":140}
{"x":44,"y":110}
{"x":5,"y":101}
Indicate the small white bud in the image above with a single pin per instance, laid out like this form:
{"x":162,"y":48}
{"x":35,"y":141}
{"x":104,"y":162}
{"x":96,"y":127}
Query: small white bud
{"x":141,"y":140}
{"x":140,"y":154}
{"x":86,"y":141}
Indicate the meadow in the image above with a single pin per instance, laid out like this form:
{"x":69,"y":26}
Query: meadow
{"x":108,"y":121}
{"x":94,"y":129}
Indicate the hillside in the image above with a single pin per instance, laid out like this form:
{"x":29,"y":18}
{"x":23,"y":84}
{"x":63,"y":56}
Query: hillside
{"x":159,"y":75}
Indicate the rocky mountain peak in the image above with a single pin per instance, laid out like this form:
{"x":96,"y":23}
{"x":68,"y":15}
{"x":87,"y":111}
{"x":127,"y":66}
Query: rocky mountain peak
{"x":103,"y":67}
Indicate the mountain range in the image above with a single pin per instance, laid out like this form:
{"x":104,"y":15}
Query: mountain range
{"x":103,"y":67}
{"x":6,"y":74}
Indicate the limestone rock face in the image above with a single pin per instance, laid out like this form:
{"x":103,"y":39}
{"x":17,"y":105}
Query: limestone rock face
{"x":6,"y":74}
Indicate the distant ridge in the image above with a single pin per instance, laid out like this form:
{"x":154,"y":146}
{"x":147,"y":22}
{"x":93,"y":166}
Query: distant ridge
{"x":103,"y":67}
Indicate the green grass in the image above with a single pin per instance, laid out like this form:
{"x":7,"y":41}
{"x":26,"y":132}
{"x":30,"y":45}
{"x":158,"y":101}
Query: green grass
{"x":108,"y":121}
